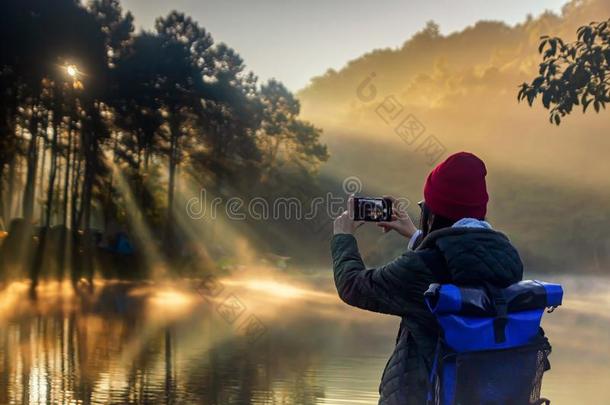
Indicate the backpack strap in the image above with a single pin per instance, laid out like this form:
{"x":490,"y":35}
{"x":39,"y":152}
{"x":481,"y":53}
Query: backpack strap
{"x":501,"y":307}
{"x":433,"y":373}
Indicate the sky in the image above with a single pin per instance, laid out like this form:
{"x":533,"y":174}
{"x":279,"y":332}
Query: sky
{"x":295,"y":40}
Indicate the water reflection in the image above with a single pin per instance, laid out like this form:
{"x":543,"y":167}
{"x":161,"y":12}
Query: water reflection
{"x":145,"y":343}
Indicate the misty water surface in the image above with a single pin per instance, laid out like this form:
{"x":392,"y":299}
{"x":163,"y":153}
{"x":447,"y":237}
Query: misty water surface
{"x":263,"y":340}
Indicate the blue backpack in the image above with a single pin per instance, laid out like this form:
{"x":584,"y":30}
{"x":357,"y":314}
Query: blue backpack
{"x":492,"y":350}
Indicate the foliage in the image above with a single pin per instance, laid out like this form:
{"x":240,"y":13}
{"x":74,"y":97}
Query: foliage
{"x":573,"y":74}
{"x":285,"y":137}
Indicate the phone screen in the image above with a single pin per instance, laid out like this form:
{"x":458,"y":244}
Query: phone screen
{"x":372,"y":209}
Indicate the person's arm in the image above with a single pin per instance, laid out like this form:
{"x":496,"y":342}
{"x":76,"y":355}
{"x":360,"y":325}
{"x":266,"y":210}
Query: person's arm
{"x":396,"y":288}
{"x":389,"y":289}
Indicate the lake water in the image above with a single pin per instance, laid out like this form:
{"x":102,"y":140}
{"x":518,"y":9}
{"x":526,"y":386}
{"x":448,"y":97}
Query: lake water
{"x":268,"y":339}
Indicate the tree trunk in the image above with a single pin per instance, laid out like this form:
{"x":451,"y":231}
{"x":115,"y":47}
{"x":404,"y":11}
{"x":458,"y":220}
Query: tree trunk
{"x":146,"y":159}
{"x":173,"y":161}
{"x":172,"y":174}
{"x":91,"y":151}
{"x":67,"y":177}
{"x":52,"y":171}
{"x":19,"y":196}
{"x":85,"y":211}
{"x":41,"y":178}
{"x":59,"y":186}
{"x":3,"y":224}
{"x":76,"y":186}
{"x":29,"y":191}
{"x":11,"y":189}
{"x":144,"y":200}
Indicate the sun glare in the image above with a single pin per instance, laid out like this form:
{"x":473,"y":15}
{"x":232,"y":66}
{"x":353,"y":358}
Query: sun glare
{"x":276,"y":288}
{"x":72,"y":70}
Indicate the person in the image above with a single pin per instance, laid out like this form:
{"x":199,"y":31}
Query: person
{"x":454,"y":244}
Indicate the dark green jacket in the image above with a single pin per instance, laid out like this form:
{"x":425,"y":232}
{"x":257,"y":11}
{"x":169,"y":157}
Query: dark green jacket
{"x":458,"y":255}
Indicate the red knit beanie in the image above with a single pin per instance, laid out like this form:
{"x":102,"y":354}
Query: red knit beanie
{"x":456,"y":188}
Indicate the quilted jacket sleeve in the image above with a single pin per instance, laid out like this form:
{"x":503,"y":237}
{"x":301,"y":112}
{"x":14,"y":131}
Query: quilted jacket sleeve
{"x":396,"y":288}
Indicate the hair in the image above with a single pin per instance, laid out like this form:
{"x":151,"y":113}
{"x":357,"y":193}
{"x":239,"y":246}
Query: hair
{"x":438,"y":221}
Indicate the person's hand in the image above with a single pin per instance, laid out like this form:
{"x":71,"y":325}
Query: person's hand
{"x":345,"y":223}
{"x":401,"y":222}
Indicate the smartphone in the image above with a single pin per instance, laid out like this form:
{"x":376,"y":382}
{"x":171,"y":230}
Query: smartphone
{"x":372,"y":209}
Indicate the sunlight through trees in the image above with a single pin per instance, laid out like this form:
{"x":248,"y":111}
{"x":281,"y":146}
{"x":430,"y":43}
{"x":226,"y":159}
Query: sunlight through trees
{"x":84,"y":97}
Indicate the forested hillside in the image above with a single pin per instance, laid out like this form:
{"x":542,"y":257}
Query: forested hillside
{"x":550,"y":186}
